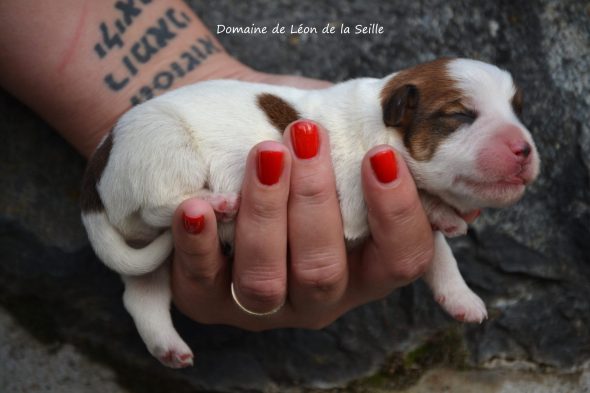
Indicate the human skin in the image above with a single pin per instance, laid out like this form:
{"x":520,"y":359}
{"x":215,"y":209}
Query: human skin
{"x":81,"y":64}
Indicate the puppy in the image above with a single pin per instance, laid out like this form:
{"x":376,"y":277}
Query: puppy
{"x":455,"y":121}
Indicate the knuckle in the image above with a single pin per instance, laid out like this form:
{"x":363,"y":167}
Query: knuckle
{"x":197,"y":266}
{"x":322,"y":284}
{"x":201,"y":273}
{"x":313,"y":190}
{"x":190,"y":250}
{"x":403,"y":211}
{"x":412,"y":266}
{"x":266,"y":209}
{"x":321,"y":280}
{"x":265,"y":293}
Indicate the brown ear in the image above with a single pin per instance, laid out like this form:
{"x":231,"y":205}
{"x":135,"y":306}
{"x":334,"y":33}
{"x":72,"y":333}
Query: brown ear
{"x":398,"y":110}
{"x":517,"y":99}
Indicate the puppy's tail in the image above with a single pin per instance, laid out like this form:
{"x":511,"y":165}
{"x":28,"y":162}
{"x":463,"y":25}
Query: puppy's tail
{"x":112,"y":249}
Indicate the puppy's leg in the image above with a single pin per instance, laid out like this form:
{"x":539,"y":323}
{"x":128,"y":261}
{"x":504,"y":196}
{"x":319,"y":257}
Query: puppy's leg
{"x":448,"y":286}
{"x":147,"y":299}
{"x":442,"y":217}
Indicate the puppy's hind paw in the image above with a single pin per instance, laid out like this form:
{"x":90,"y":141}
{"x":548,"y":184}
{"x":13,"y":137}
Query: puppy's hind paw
{"x":175,"y":359}
{"x":463,"y":305}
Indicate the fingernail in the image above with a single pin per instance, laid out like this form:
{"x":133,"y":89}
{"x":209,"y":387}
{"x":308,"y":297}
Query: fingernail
{"x":193,"y":225}
{"x":384,"y":166}
{"x":270,"y":166}
{"x":306,"y":142}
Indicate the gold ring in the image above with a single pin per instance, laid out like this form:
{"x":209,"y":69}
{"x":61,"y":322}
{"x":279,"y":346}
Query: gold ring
{"x":250,"y":312}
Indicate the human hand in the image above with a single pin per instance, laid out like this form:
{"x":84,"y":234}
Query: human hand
{"x":314,"y":278}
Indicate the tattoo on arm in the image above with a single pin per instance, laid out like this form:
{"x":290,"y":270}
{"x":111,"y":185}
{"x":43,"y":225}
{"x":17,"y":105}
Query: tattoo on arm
{"x":188,"y":60}
{"x":140,"y":52}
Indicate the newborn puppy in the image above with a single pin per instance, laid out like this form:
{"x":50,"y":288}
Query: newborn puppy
{"x":455,"y":122}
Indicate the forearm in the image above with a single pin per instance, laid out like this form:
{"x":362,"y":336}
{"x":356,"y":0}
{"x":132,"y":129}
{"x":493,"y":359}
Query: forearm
{"x":81,"y":64}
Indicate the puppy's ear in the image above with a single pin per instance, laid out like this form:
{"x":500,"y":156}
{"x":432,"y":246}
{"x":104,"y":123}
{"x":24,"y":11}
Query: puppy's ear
{"x":399,"y":108}
{"x":517,"y":101}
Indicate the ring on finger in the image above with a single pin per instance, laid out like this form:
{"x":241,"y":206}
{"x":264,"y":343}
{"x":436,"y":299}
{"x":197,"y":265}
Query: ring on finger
{"x":250,"y":312}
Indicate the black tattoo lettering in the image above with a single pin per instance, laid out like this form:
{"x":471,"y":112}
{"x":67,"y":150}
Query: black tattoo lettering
{"x":208,"y":45}
{"x":187,"y":61}
{"x":198,"y":52}
{"x":120,"y":26}
{"x":112,"y":37}
{"x":129,"y":65}
{"x":146,"y":92}
{"x":177,"y":23}
{"x":161,"y":33}
{"x":192,"y":62}
{"x":129,"y":10}
{"x":178,"y":70}
{"x":114,"y":84}
{"x":155,"y":38}
{"x":135,"y":101}
{"x":163,"y":80}
{"x":142,"y":51}
{"x":100,"y":50}
{"x":109,"y":39}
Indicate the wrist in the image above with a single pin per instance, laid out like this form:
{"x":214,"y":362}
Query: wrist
{"x":220,"y":66}
{"x":86,"y":63}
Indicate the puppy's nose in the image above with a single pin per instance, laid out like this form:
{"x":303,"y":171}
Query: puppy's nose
{"x":521,"y":149}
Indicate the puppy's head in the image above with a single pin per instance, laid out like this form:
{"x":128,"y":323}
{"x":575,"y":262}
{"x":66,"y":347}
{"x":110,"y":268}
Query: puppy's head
{"x":460,"y":125}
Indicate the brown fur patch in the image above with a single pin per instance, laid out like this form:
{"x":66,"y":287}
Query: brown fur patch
{"x":279,"y":112}
{"x":89,"y":199}
{"x":517,"y":101}
{"x":438,"y":100}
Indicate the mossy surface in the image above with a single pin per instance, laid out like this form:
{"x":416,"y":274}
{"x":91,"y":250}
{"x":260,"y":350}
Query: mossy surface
{"x":402,"y":370}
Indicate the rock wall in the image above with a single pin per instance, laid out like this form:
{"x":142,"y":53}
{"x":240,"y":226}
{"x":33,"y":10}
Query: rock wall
{"x":530,"y":263}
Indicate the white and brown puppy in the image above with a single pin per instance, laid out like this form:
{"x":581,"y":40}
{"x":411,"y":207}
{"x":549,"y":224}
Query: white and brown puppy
{"x":455,"y":122}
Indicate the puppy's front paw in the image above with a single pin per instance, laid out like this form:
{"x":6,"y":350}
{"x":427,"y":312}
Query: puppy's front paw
{"x":463,"y":305}
{"x":226,"y":206}
{"x":448,"y":222}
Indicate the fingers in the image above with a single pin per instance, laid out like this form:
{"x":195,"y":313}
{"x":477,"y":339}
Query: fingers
{"x":317,"y":269}
{"x":197,"y":251}
{"x":198,"y":267}
{"x":401,"y":245}
{"x":260,"y":268}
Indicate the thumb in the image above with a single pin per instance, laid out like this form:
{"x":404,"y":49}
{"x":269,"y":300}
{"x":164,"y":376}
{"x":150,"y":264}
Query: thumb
{"x":401,"y":236}
{"x":197,"y":254}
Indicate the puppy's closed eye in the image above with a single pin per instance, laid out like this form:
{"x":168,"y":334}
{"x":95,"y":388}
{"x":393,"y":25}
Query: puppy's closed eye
{"x":462,"y":116}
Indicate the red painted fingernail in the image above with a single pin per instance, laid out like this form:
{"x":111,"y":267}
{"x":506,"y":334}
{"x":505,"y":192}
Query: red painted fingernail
{"x":270,"y":166}
{"x":306,"y":141}
{"x":193,"y":225}
{"x":385,"y":166}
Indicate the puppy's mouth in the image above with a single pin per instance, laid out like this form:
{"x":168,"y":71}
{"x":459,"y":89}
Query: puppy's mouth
{"x":495,"y":193}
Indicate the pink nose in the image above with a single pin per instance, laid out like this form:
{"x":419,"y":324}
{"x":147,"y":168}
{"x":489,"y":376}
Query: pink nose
{"x":508,"y":155}
{"x":520,"y":148}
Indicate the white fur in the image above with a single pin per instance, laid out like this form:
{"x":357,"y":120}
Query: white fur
{"x":167,"y":149}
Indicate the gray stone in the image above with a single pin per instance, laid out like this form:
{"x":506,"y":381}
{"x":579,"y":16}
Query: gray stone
{"x":493,"y":381}
{"x":531,"y":262}
{"x":32,"y":366}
